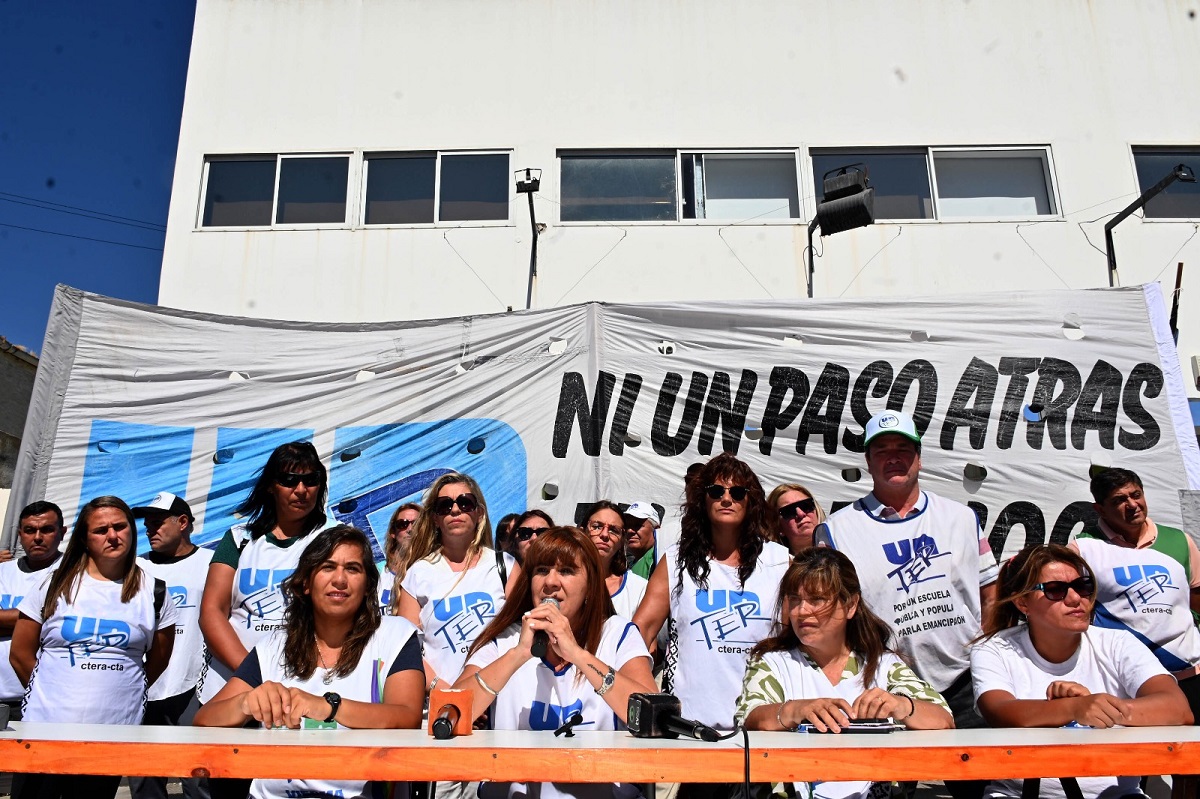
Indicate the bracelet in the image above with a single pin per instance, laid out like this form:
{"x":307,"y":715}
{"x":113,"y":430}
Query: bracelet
{"x":483,"y":685}
{"x":779,"y":717}
{"x":912,"y":707}
{"x":433,"y":684}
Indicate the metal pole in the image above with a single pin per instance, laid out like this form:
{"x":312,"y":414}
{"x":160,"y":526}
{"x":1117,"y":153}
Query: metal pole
{"x":1180,"y":172}
{"x":811,"y":255}
{"x":532,"y":254}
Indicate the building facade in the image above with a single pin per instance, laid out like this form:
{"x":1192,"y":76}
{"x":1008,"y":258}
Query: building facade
{"x":354,"y":160}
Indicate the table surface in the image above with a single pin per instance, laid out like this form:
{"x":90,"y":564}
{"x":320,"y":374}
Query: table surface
{"x":596,"y":756}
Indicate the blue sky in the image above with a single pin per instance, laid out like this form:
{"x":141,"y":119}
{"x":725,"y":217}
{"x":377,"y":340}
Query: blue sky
{"x":89,"y":121}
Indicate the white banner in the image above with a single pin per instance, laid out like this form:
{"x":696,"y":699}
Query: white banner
{"x":557,"y":408}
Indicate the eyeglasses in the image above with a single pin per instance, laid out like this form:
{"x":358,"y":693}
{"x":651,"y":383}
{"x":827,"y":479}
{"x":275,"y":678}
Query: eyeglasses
{"x":1056,"y":590}
{"x":400,"y":525}
{"x":526,"y":533}
{"x":736,"y":493}
{"x":796,"y":508}
{"x":293,"y":479}
{"x":595,"y":528}
{"x":465,"y":502}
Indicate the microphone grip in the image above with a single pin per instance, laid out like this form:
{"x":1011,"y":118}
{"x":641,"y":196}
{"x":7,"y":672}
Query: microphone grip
{"x":540,"y":645}
{"x":691,"y":729}
{"x":447,"y":719}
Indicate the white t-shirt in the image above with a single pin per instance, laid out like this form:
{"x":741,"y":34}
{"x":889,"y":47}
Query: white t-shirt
{"x":455,"y":606}
{"x":387,"y":585}
{"x":1108,"y":661}
{"x":629,"y":595}
{"x":538,"y":698}
{"x":717,"y":627}
{"x":257,"y":604}
{"x":364,"y":684}
{"x":185,"y":586}
{"x":15,"y":582}
{"x":91,"y":666}
{"x":920,"y":574}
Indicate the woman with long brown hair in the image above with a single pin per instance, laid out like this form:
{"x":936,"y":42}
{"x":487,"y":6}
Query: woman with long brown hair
{"x":606,"y":526}
{"x":398,"y":533}
{"x":719,"y":584}
{"x":337,"y":662}
{"x":1042,"y":664}
{"x":99,"y":630}
{"x":594,"y":659}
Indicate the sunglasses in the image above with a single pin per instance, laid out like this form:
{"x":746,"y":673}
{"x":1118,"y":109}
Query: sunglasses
{"x":736,"y":493}
{"x":1056,"y":590}
{"x":465,"y":502}
{"x":293,"y":479}
{"x":796,"y":508}
{"x":400,"y":525}
{"x":526,"y":533}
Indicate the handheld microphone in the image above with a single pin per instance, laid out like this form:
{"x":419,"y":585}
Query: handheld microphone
{"x":443,"y":725}
{"x":568,"y":726}
{"x":657,"y":716}
{"x":541,"y":639}
{"x":453,"y":715}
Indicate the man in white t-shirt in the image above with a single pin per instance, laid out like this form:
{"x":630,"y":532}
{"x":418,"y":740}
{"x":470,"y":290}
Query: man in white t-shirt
{"x":925,"y":566}
{"x":183,"y":566}
{"x":39,"y":533}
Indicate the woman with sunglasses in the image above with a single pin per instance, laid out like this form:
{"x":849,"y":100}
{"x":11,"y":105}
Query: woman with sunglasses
{"x":606,"y":527}
{"x":594,"y":659}
{"x":452,"y":583}
{"x":720,"y":584}
{"x":89,"y":639}
{"x":1041,"y":664}
{"x":526,"y":529}
{"x":336,"y":663}
{"x":399,"y":531}
{"x":243,"y":599}
{"x":829,"y":663}
{"x":799,"y":514}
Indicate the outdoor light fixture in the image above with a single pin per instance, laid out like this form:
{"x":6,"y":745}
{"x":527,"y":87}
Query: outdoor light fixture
{"x":529,"y":181}
{"x":848,"y":203}
{"x":1182,"y":172}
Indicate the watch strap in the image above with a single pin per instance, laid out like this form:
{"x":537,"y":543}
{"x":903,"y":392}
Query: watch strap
{"x":335,"y":702}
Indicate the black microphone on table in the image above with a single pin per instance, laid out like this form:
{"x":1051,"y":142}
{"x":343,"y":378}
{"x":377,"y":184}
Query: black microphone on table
{"x":657,"y":716}
{"x":541,"y":639}
{"x":568,"y":726}
{"x":447,"y":718}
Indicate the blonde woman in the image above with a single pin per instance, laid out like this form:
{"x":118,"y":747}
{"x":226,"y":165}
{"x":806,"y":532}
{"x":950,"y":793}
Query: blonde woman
{"x":798,"y":514}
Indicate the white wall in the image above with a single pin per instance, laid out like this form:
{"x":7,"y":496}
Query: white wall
{"x":1087,"y":79}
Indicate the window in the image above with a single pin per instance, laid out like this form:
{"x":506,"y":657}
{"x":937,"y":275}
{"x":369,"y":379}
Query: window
{"x":950,"y":183}
{"x":250,"y":191}
{"x":407,"y":188}
{"x":1179,"y":200}
{"x":739,"y":186}
{"x":667,"y":186}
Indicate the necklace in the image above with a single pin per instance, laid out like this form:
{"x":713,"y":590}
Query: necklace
{"x":328,"y":678}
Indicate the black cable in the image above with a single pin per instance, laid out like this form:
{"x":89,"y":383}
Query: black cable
{"x":93,"y":215}
{"x":78,"y":208}
{"x":84,"y":238}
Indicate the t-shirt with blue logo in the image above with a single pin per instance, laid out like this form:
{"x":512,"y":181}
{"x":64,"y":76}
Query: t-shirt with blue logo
{"x":15,"y":582}
{"x":91,"y":664}
{"x":185,"y":586}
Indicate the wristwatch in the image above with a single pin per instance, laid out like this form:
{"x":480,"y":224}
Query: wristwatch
{"x":335,"y":701}
{"x":607,"y":683}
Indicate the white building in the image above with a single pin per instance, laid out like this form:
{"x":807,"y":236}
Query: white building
{"x":354,"y":159}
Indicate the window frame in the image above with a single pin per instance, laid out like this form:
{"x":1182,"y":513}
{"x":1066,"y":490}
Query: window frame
{"x":1151,"y":149}
{"x":679,"y":152}
{"x":351,"y":200}
{"x":369,"y":155}
{"x":930,"y":151}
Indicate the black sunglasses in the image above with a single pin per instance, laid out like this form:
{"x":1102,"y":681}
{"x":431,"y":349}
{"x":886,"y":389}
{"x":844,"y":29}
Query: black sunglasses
{"x":737,"y":493}
{"x":1056,"y":590}
{"x":293,"y":479}
{"x":526,"y":533}
{"x":796,"y":508}
{"x":400,"y":525}
{"x":465,"y":502}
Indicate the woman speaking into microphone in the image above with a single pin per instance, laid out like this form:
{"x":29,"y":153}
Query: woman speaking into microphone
{"x":593,"y":658}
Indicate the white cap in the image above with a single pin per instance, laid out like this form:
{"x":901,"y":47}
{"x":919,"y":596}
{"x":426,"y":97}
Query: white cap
{"x":897,"y":422}
{"x":643,"y":510}
{"x":166,"y":503}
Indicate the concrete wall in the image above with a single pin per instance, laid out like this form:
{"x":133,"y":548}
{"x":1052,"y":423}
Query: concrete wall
{"x":17,"y":370}
{"x":1089,"y":80}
